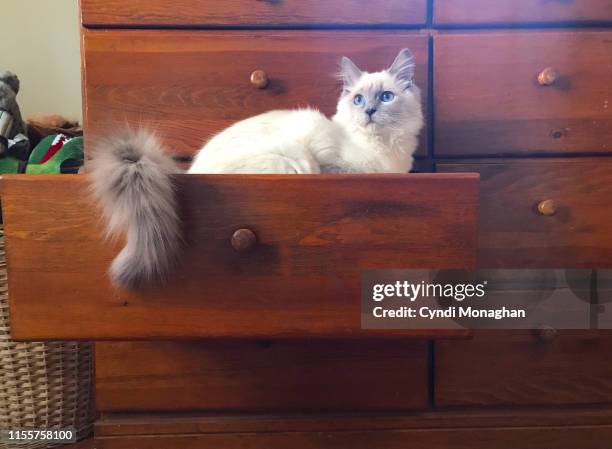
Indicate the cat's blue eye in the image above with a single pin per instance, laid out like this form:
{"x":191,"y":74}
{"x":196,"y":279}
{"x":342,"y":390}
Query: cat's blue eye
{"x":387,"y":96}
{"x":358,"y":100}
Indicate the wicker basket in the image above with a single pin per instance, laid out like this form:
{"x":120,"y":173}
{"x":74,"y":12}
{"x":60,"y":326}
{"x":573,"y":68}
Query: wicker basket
{"x":42,"y":385}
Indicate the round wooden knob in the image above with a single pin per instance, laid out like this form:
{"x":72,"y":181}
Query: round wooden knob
{"x":243,"y":240}
{"x":259,"y":79}
{"x":547,"y":207}
{"x":546,"y":333}
{"x":548,"y":76}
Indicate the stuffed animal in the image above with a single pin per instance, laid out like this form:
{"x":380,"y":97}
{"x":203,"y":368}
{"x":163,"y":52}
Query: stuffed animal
{"x":58,"y":153}
{"x":14,"y":143}
{"x":11,"y":122}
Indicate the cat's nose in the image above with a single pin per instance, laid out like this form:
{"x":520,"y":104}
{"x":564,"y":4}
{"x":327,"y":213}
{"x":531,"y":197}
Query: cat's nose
{"x":370,"y":111}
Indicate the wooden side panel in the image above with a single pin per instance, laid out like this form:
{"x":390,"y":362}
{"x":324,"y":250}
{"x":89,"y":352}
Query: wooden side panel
{"x":189,"y":85}
{"x":316,"y":233}
{"x":516,"y":368}
{"x":488,"y":100}
{"x":512,"y":232}
{"x":474,"y":12}
{"x":246,"y":12}
{"x":270,"y":376}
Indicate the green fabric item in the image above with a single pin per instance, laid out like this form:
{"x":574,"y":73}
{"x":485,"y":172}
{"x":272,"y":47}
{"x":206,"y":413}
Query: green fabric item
{"x":10,"y":165}
{"x":41,"y":149}
{"x":73,"y":149}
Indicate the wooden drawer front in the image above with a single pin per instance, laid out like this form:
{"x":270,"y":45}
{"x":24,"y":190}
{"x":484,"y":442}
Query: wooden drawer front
{"x":474,"y":12}
{"x":489,"y":102}
{"x":518,"y":368}
{"x":262,"y":376}
{"x":513,"y":233}
{"x":250,"y":12}
{"x":315,"y":235}
{"x":189,"y":85}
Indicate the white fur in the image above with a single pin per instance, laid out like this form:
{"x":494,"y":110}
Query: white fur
{"x":305,"y":141}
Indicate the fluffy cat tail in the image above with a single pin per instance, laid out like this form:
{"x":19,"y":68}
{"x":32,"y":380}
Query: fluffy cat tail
{"x":131,"y":179}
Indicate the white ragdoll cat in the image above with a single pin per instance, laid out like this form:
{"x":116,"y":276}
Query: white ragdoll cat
{"x":375,"y":130}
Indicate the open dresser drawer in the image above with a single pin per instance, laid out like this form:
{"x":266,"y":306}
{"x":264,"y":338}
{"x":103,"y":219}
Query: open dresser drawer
{"x":315,"y":234}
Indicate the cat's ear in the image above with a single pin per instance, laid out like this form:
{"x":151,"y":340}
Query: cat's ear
{"x":403,"y":68}
{"x":349,"y":72}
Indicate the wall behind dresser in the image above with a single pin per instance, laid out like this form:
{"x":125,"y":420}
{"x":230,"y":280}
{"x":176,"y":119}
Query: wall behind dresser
{"x":40,"y":43}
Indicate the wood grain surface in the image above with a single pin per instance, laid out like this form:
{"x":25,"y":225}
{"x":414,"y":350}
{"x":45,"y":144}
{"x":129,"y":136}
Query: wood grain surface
{"x":514,"y":12}
{"x":124,"y":424}
{"x":269,"y":13}
{"x":189,"y":85}
{"x":556,"y":428}
{"x":488,"y":100}
{"x":516,"y":368}
{"x":514,"y":234}
{"x":262,"y":376}
{"x":570,"y":437}
{"x":315,"y":233}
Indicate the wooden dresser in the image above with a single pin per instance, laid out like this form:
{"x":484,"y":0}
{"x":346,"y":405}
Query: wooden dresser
{"x":518,"y":91}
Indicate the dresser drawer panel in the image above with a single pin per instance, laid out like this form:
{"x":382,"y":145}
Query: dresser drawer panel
{"x":250,"y":12}
{"x":314,"y":235}
{"x":189,"y":85}
{"x":523,"y":92}
{"x":543,"y":213}
{"x":475,"y":12}
{"x":525,"y":368}
{"x":269,"y":376}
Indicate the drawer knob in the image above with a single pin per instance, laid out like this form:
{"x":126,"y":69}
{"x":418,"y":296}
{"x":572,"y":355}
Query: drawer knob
{"x":546,"y":333}
{"x":548,"y":76}
{"x":259,"y":79}
{"x":243,"y":240}
{"x":547,"y":207}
